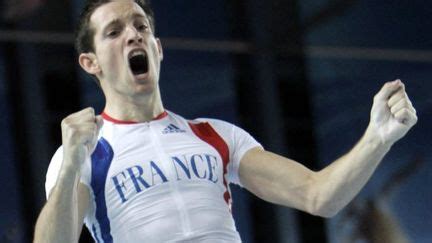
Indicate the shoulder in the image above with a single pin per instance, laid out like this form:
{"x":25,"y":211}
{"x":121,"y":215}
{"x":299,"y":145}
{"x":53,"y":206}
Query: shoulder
{"x":223,"y":128}
{"x":216,"y":123}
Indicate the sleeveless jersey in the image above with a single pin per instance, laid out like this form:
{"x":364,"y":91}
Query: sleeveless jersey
{"x":161,"y":181}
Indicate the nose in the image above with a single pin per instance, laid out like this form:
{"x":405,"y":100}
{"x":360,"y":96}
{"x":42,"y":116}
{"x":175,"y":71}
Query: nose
{"x":133,"y":36}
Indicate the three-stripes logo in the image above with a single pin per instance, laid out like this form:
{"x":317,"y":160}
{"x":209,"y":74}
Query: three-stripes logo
{"x":171,"y":128}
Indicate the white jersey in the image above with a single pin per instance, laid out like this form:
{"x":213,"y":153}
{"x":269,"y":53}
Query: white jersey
{"x":162,"y":181}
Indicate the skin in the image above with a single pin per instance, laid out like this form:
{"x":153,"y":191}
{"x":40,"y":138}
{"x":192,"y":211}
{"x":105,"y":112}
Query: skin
{"x":117,"y":34}
{"x":121,"y":26}
{"x":327,"y":191}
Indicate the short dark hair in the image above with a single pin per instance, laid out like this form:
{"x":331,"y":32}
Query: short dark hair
{"x":84,"y":33}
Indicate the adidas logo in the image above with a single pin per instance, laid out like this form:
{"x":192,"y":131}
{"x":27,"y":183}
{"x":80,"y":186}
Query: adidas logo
{"x":171,"y":128}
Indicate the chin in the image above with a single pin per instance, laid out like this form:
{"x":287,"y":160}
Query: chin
{"x":144,"y":87}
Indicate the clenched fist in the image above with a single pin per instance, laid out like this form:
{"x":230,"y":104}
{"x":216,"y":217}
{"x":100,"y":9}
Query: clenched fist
{"x":80,"y":132}
{"x":392,"y":113}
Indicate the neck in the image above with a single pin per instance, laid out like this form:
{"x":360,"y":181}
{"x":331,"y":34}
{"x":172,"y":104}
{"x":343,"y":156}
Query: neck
{"x":142,"y":109}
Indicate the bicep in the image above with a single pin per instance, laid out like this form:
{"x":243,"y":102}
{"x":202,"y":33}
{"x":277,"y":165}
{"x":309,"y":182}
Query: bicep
{"x":275,"y":178}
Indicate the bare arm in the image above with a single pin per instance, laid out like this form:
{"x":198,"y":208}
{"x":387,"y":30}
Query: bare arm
{"x":61,"y":219}
{"x":324,"y":193}
{"x":286,"y":182}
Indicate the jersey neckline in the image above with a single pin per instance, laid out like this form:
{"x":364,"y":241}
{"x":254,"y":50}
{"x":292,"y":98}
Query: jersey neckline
{"x":107,"y":117}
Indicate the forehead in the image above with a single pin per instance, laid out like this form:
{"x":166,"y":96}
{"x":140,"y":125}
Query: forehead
{"x":115,"y":10}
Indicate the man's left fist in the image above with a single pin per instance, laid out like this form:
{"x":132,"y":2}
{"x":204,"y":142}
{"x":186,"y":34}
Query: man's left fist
{"x":392,"y":113}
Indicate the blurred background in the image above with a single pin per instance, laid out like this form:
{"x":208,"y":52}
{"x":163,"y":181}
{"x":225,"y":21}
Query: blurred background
{"x":298,"y":75}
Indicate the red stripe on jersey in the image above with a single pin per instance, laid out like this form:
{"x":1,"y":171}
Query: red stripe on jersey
{"x":206,"y":133}
{"x":113,"y":120}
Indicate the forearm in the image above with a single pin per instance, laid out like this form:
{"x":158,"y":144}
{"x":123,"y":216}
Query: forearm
{"x":58,"y":221}
{"x":341,"y":181}
{"x":62,"y":217}
{"x":284,"y":181}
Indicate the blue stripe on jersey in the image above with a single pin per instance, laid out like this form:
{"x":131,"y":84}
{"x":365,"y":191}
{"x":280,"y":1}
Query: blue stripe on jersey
{"x":101,"y":161}
{"x":95,"y":234}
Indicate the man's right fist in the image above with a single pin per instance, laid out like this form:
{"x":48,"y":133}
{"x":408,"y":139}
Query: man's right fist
{"x":80,"y":132}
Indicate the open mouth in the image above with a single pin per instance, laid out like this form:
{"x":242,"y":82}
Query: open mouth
{"x":138,"y":62}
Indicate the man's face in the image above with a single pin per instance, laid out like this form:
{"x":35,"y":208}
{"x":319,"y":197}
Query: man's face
{"x":127,"y":52}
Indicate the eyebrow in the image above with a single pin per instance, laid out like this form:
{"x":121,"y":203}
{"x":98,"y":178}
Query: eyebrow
{"x":118,"y":21}
{"x":111,"y":23}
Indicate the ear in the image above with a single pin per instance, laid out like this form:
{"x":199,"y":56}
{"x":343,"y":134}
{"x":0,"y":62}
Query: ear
{"x":89,"y":63}
{"x":160,"y":50}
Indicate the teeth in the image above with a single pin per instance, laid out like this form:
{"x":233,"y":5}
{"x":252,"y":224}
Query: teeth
{"x":137,"y":53}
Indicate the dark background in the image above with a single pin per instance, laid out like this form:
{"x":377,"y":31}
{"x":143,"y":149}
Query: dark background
{"x":298,"y":75}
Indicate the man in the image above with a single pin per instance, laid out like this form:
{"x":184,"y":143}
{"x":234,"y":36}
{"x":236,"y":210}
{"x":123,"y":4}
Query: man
{"x":139,"y":173}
